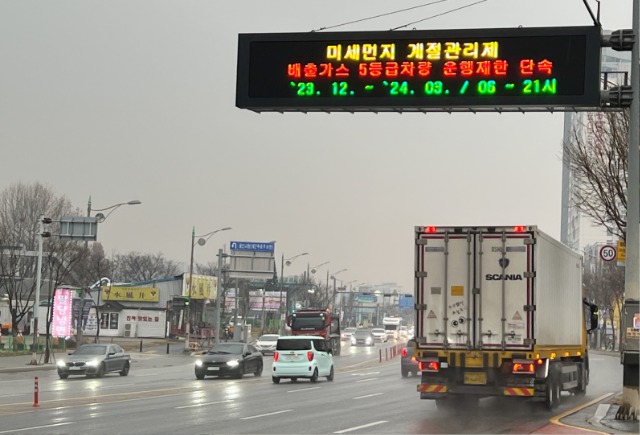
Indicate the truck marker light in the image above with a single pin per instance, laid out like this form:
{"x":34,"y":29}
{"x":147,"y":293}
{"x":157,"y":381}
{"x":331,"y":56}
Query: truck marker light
{"x":276,"y":356}
{"x":430,"y":229}
{"x":566,"y":354}
{"x":579,"y":353}
{"x":539,"y":361}
{"x":519,"y":229}
{"x":553,"y":355}
{"x":310,"y":356}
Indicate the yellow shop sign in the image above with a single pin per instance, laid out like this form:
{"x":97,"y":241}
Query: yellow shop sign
{"x":131,"y":294}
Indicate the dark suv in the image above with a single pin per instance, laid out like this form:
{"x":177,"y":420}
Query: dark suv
{"x":408,"y":362}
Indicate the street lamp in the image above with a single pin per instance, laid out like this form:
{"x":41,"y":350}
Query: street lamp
{"x":288,"y":262}
{"x":333,"y":277}
{"x":201,"y":242}
{"x":101,"y":217}
{"x":314,"y":269}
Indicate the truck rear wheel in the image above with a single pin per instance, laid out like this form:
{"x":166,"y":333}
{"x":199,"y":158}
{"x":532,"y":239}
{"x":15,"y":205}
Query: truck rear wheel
{"x":552,"y":394}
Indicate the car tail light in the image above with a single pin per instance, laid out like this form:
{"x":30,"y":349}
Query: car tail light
{"x":429,"y":366}
{"x":404,"y":351}
{"x":276,"y":356}
{"x":310,"y":355}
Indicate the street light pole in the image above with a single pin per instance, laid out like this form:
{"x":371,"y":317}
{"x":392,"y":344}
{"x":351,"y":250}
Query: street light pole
{"x":288,"y":261}
{"x":36,"y":306}
{"x":193,"y":245}
{"x":218,"y":299}
{"x":201,"y":241}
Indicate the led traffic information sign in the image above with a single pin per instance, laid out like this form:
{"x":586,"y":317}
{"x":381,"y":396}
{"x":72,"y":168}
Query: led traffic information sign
{"x":420,"y":70}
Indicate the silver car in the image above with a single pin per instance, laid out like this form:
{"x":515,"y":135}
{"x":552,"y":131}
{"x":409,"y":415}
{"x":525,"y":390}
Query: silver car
{"x":267,"y":343}
{"x":94,"y":360}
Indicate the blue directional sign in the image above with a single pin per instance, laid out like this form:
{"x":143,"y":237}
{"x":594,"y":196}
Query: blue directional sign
{"x":252,"y":246}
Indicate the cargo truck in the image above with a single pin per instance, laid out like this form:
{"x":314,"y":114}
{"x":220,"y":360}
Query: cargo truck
{"x":317,"y":322}
{"x":499,"y":312}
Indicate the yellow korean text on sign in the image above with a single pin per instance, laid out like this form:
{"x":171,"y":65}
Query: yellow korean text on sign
{"x":622,"y":250}
{"x":202,"y":287}
{"x":130,"y":294}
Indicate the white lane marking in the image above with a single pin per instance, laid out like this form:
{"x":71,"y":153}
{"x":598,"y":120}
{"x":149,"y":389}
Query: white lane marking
{"x":303,"y":389}
{"x":203,"y":404}
{"x":368,"y":395}
{"x":266,"y":415}
{"x":35,"y":427}
{"x":367,"y":380}
{"x":365,"y":374}
{"x":361,"y":427}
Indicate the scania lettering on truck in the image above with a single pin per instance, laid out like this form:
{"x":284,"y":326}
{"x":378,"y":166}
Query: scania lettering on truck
{"x":499,"y":312}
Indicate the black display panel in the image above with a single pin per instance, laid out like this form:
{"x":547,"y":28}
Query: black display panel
{"x":473,"y":69}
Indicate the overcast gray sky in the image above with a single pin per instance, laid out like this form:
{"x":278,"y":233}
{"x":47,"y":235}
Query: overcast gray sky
{"x":122,"y":100}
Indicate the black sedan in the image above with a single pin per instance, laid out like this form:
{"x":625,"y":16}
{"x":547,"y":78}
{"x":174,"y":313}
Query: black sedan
{"x":408,"y":362}
{"x":94,"y":360}
{"x":229,"y":359}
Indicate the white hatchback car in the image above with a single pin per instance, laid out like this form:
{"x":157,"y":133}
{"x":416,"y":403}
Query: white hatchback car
{"x":267,"y":343}
{"x":302,"y":356}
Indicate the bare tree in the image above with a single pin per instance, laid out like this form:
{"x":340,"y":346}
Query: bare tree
{"x":604,"y":285}
{"x":597,"y":155}
{"x":136,"y":266}
{"x":21,"y":208}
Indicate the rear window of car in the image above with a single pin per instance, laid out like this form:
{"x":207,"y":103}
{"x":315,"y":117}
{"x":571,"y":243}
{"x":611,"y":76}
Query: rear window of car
{"x":294,"y":344}
{"x":410,"y":345}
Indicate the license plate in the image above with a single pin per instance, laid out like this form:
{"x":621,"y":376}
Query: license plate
{"x":213,"y":368}
{"x":475,"y":378}
{"x":74,"y":368}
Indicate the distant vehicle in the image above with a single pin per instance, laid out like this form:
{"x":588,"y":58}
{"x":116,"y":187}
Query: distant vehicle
{"x":347,"y":333}
{"x":379,"y":334}
{"x":302,"y":356}
{"x":231,"y":358}
{"x":267,"y":343}
{"x":94,"y":360}
{"x":363,"y":337}
{"x":317,"y":322}
{"x":408,"y":362}
{"x":392,"y":326}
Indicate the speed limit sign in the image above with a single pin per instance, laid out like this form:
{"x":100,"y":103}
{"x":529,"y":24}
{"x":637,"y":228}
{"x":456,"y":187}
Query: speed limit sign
{"x":608,"y":253}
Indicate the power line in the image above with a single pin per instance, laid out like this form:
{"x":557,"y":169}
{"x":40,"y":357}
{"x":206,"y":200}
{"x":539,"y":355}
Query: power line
{"x":381,"y":15}
{"x":441,"y":14}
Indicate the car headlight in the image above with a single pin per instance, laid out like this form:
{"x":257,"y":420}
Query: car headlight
{"x":93,"y":363}
{"x":233,"y":363}
{"x":61,"y":363}
{"x":198,"y":363}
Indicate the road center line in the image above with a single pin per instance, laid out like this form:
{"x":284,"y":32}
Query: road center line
{"x":35,"y":427}
{"x":203,"y":404}
{"x":367,"y":380}
{"x":368,"y":395}
{"x":303,"y":389}
{"x":266,"y":415}
{"x":361,"y":427}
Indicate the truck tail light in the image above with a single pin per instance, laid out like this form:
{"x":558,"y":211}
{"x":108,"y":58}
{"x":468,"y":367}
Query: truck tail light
{"x":310,"y":355}
{"x":523,"y":367}
{"x":429,"y":366}
{"x":404,"y":351}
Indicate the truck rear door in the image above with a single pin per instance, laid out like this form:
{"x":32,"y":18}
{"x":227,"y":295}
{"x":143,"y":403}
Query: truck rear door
{"x":474,"y":288}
